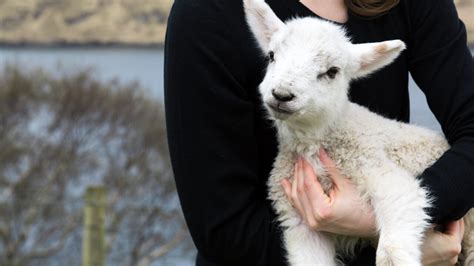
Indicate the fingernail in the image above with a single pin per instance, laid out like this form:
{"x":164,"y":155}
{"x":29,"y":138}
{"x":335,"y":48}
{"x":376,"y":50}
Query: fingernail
{"x":303,"y":162}
{"x":322,"y":153}
{"x":300,"y":160}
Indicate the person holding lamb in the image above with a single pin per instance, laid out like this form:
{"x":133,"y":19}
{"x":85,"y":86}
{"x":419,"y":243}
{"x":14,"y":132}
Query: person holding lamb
{"x":223,"y":147}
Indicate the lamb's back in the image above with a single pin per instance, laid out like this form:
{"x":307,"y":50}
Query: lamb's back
{"x":362,"y":135}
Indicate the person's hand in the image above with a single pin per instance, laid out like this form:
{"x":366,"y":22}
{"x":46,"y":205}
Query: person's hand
{"x":443,"y":248}
{"x":341,"y":212}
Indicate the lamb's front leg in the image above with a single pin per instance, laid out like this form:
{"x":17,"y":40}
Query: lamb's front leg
{"x":306,"y":247}
{"x":399,"y":203}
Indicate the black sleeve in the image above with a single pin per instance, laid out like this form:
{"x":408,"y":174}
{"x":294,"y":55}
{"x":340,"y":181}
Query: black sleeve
{"x":442,"y":66}
{"x":211,"y":132}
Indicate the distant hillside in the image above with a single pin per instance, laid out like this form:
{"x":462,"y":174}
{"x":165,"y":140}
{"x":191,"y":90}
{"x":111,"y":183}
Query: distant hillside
{"x":466,"y":13}
{"x":83,"y":21}
{"x":125,"y":22}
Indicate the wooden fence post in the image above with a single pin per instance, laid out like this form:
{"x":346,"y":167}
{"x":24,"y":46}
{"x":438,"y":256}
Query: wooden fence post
{"x":93,"y":242}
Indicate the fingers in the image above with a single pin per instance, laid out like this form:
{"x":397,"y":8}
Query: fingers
{"x":303,"y":193}
{"x":326,"y":160}
{"x":331,"y":168}
{"x":456,"y":229}
{"x":312,"y":186}
{"x":298,"y":197}
{"x":306,"y":194}
{"x":453,"y":228}
{"x":320,"y":203}
{"x":294,"y":190}
{"x":454,"y":260}
{"x":287,"y":188}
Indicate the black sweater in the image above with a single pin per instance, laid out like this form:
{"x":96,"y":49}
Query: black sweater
{"x":222,"y":147}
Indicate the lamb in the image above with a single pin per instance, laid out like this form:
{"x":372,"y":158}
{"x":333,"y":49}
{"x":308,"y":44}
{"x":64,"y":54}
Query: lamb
{"x":305,"y":91}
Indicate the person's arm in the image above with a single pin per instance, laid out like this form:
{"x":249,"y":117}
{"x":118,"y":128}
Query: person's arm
{"x":211,"y":120}
{"x":442,"y":66}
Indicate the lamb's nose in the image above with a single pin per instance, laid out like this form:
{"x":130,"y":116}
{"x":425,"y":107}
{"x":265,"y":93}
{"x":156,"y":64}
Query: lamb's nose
{"x":282,"y":96}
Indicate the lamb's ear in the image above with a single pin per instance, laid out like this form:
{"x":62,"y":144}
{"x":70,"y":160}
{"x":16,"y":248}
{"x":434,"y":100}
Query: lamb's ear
{"x":262,"y":21}
{"x":369,"y":57}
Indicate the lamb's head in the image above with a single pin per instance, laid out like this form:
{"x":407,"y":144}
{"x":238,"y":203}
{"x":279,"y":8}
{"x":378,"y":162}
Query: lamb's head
{"x":311,"y":63}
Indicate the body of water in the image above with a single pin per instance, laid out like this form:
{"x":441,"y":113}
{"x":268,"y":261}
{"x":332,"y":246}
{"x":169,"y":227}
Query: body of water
{"x":143,"y":65}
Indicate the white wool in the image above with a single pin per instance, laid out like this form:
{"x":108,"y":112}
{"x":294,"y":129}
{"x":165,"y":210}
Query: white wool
{"x":381,"y":156}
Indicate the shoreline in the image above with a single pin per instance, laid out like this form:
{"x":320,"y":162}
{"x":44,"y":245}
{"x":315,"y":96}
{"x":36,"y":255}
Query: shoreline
{"x":86,"y":45}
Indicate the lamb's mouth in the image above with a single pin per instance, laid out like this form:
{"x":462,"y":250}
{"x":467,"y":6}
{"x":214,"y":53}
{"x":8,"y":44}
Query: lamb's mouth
{"x":279,"y":109}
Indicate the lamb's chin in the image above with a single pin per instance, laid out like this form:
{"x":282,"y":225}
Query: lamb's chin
{"x":280,"y":116}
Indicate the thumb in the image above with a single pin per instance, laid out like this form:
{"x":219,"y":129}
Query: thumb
{"x":453,"y":228}
{"x":330,"y":167}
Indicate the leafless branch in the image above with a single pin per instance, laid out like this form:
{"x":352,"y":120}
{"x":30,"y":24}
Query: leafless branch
{"x":163,"y":250}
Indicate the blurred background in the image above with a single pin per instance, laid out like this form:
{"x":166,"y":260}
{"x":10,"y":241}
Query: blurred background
{"x":85,"y":175}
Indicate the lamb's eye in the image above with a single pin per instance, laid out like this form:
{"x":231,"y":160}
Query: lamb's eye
{"x":271,"y":56}
{"x":332,"y":72}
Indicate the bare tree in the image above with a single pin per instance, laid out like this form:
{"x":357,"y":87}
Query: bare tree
{"x":59,"y":135}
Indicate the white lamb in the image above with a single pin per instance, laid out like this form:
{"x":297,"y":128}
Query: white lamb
{"x":305,"y":91}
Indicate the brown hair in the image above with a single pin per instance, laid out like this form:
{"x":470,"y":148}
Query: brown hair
{"x":370,"y":8}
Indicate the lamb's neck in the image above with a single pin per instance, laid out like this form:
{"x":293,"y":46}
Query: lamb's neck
{"x":301,"y":141}
{"x":307,"y":139}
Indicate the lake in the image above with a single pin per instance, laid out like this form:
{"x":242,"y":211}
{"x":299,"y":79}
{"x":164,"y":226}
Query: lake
{"x":143,"y":65}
